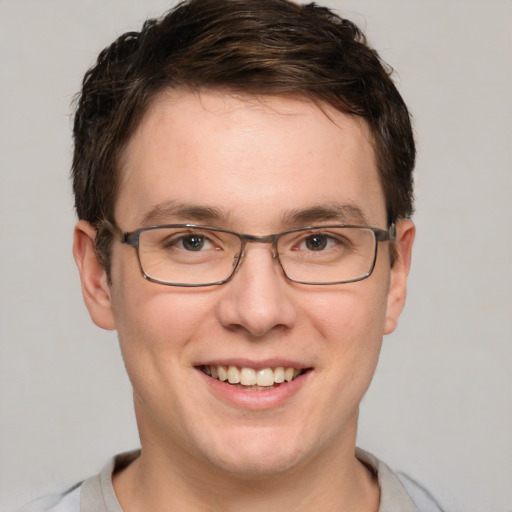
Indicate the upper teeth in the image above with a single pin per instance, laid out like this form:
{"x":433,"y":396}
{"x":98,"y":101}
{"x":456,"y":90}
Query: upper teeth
{"x":249,"y":377}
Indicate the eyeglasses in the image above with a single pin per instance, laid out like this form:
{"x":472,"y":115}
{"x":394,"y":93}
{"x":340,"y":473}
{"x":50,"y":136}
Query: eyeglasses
{"x":190,"y":255}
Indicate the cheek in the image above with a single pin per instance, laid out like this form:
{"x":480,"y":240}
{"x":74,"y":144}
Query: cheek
{"x":154,"y":317}
{"x":155,"y":323}
{"x":153,"y":312}
{"x":157,"y":333}
{"x":355,"y":315}
{"x":351,"y":324}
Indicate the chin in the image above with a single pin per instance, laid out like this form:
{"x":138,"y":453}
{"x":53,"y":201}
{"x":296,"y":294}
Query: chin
{"x":251,"y":467}
{"x":258,"y":453}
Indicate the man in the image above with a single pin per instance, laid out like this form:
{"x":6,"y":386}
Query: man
{"x":243,"y":179}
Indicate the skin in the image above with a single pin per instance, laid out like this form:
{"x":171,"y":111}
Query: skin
{"x":254,"y":162}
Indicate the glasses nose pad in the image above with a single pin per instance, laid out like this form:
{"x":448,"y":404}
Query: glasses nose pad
{"x":237,"y":261}
{"x":276,"y":256}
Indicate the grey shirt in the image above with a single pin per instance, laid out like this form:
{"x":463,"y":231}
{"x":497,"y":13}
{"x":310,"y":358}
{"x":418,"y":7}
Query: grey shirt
{"x":398,"y":492}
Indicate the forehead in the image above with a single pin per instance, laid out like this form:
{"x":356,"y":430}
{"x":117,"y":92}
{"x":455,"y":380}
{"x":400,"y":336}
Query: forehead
{"x":244,"y":156}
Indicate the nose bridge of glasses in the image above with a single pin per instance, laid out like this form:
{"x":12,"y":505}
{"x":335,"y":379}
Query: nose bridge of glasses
{"x":267,"y":239}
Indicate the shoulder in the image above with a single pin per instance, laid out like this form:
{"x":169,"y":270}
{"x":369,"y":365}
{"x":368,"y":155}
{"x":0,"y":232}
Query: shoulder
{"x":397,"y":490}
{"x":96,"y":494}
{"x":68,"y":501}
{"x":419,"y":494}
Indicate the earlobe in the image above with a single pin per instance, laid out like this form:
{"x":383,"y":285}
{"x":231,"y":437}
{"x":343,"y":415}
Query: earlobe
{"x":405,"y":233}
{"x":93,"y":277}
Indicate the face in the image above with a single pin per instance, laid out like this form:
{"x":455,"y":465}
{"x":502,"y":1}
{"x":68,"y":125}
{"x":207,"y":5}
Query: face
{"x":257,"y":166}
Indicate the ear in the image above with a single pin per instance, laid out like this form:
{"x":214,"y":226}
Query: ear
{"x":93,"y":277}
{"x":405,"y":232}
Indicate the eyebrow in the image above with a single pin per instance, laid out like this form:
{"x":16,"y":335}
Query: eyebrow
{"x":342,"y":213}
{"x":182,"y":212}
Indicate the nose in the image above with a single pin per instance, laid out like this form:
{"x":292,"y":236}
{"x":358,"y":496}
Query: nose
{"x":258,"y":299}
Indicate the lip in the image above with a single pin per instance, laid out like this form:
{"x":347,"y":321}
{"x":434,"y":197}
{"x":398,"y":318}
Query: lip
{"x":255,"y":400}
{"x":256,"y":365}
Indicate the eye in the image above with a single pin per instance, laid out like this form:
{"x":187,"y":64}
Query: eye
{"x":317,"y":242}
{"x":193,"y":242}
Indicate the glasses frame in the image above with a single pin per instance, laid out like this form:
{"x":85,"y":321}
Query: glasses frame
{"x":132,"y":238}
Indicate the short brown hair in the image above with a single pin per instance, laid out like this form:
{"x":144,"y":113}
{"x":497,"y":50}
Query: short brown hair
{"x":264,"y":47}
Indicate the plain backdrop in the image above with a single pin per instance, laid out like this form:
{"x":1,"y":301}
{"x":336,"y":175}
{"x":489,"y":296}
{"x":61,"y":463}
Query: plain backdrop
{"x":440,"y":406}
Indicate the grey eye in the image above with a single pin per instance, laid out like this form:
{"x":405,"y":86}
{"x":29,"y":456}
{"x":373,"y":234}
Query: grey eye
{"x":193,"y":242}
{"x":316,"y":242}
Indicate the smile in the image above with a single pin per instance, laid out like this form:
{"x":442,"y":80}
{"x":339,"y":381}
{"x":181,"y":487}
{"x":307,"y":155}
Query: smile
{"x":251,"y":379}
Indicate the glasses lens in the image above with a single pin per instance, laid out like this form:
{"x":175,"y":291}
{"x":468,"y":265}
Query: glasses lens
{"x":188,"y":256}
{"x":328,"y":254}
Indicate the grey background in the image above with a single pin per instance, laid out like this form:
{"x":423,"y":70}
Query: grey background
{"x":440,"y":406}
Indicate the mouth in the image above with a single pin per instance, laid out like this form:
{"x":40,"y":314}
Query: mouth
{"x":251,"y":379}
